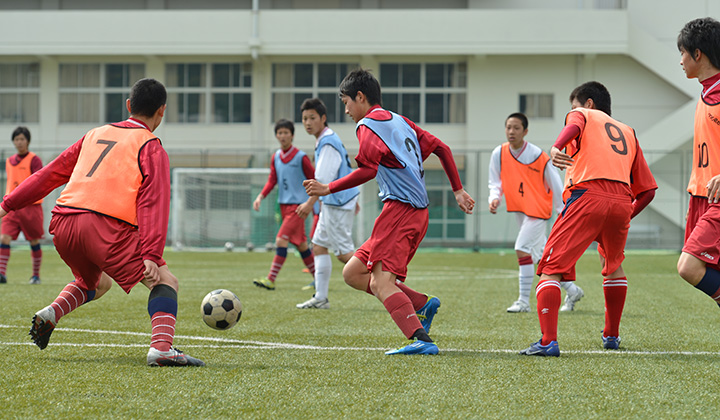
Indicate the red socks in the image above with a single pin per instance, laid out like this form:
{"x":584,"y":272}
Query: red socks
{"x":4,"y":257}
{"x":417,"y":299}
{"x":548,"y":304}
{"x":615,"y":291}
{"x":68,"y":300}
{"x":163,"y":330}
{"x":402,"y":312}
{"x":277,"y":263}
{"x":36,"y":255}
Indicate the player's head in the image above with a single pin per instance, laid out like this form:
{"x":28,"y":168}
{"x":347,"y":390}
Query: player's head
{"x":701,"y":35}
{"x":361,"y":80}
{"x":591,"y":95}
{"x":317,"y":105}
{"x":146,"y":97}
{"x":284,"y":133}
{"x":286,"y":124}
{"x":516,"y":125}
{"x":21,"y":131}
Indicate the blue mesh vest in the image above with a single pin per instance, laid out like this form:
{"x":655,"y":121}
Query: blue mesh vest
{"x":406,"y":184}
{"x":339,"y":198}
{"x":290,"y":177}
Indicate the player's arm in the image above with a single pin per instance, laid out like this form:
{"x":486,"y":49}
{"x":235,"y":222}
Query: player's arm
{"x":574,"y":125}
{"x":494,"y":181}
{"x":554,"y":183}
{"x":643,"y":186}
{"x":153,"y":201}
{"x":304,"y":209}
{"x":43,"y":182}
{"x":269,"y":185}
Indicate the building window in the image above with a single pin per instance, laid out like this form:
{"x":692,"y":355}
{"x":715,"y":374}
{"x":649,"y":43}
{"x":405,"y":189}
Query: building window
{"x":425,"y":92}
{"x":96,"y":93}
{"x":20,"y":93}
{"x":446,"y":220}
{"x":293,"y":83}
{"x":209,"y":93}
{"x":537,"y":105}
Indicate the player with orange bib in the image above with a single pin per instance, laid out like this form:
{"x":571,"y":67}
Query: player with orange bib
{"x":609,"y":183}
{"x":112,"y":218}
{"x":28,"y":220}
{"x":522,"y":173}
{"x":699,"y":45}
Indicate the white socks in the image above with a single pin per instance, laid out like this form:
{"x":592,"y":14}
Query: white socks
{"x":323,"y":269}
{"x":526,"y":276}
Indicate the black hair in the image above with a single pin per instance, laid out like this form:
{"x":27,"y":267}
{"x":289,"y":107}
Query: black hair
{"x":285,"y":123}
{"x":317,"y":104}
{"x":146,"y":97}
{"x":520,"y":116}
{"x":361,"y":80}
{"x":595,"y":91}
{"x":701,"y":34}
{"x":21,"y":130}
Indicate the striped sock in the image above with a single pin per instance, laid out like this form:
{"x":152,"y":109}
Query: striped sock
{"x":615,"y":291}
{"x":36,"y":255}
{"x":403,"y":313}
{"x":162,"y":308}
{"x":4,"y":258}
{"x":277,"y":263}
{"x":309,"y":260}
{"x":710,"y":284}
{"x":548,"y":306}
{"x":71,"y":297}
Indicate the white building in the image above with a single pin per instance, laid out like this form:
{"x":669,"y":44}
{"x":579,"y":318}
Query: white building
{"x":457,"y":67}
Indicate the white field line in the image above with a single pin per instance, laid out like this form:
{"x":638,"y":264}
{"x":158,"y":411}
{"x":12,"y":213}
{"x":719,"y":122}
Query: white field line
{"x":246,"y":344}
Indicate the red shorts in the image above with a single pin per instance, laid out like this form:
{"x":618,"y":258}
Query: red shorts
{"x":396,"y":236}
{"x":29,"y":220}
{"x":90,"y":244}
{"x":292,"y":228}
{"x":696,"y":208}
{"x":704,"y":240}
{"x":587,"y":217}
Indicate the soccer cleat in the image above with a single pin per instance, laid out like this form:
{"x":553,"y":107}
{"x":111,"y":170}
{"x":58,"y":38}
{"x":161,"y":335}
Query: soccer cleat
{"x":427,"y":312}
{"x":35,"y":280}
{"x":519,"y":306}
{"x":416,"y":347}
{"x":43,"y":324}
{"x":571,"y":300}
{"x":3,"y":279}
{"x":314,"y":303}
{"x":172,"y":357}
{"x":264,"y":283}
{"x":310,"y":285}
{"x":537,"y":349}
{"x":611,"y":343}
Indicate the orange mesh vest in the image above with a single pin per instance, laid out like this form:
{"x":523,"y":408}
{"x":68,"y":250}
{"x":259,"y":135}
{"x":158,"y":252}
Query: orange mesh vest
{"x":107,"y":177}
{"x":18,"y":173}
{"x":524,"y":185}
{"x":706,"y":148}
{"x":605,"y":150}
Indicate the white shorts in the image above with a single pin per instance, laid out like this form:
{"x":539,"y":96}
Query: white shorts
{"x":334,"y":230}
{"x":531,"y":238}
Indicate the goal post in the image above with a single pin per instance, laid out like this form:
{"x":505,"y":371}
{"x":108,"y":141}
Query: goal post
{"x":213,"y":206}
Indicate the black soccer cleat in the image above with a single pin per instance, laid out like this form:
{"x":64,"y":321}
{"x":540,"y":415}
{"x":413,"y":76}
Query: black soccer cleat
{"x":43,"y":324}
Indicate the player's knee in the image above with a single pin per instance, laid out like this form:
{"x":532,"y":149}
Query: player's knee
{"x":690,"y":268}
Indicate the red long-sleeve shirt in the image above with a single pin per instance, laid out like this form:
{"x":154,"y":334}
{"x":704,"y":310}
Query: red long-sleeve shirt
{"x":286,"y":156}
{"x":153,"y":201}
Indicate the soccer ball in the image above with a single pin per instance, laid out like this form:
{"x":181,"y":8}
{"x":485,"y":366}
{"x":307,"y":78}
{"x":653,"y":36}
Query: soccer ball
{"x":250,"y":246}
{"x":229,"y":246}
{"x":221,"y":309}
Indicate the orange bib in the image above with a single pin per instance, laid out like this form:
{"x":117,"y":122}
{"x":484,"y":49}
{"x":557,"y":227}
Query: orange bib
{"x":706,"y":148}
{"x":606,"y":149}
{"x":106,"y":178}
{"x":524,"y":185}
{"x":18,"y":173}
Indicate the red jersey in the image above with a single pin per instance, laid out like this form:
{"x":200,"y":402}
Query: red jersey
{"x":153,"y":199}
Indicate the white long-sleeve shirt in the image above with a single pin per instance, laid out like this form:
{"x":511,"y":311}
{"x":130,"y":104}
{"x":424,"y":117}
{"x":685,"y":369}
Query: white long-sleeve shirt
{"x":527,"y":154}
{"x":328,"y":164}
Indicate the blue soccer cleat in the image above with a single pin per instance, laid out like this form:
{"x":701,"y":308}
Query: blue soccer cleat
{"x":611,"y":343}
{"x":427,"y":312}
{"x":537,"y":349}
{"x":416,"y":347}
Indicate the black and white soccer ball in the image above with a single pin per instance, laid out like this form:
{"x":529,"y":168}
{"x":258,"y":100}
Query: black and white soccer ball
{"x":221,"y":309}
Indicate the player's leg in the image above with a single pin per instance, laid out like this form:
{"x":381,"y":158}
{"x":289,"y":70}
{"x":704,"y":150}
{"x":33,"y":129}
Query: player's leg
{"x":698,"y":273}
{"x":615,"y":287}
{"x":323,"y":270}
{"x":306,"y":253}
{"x":31,"y":224}
{"x":36,"y":257}
{"x":528,"y":248}
{"x":4,"y":255}
{"x":356,"y":275}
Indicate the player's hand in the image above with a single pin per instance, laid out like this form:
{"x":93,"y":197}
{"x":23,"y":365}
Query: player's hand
{"x":357,"y":207}
{"x":256,"y":203}
{"x":152,"y":273}
{"x":464,"y":200}
{"x":713,"y":187}
{"x":559,"y":159}
{"x":312,"y":187}
{"x":493,"y":206}
{"x":303,"y":210}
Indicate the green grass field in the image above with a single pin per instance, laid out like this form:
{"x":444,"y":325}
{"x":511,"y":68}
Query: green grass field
{"x":281,"y":362}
